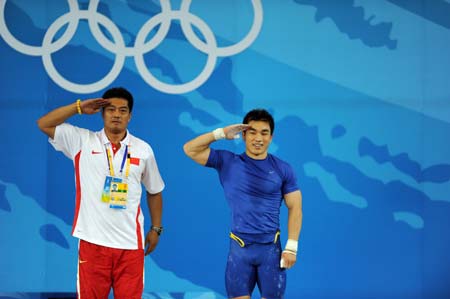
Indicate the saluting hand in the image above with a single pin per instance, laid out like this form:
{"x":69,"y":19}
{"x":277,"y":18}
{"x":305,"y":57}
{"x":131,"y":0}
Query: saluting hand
{"x":91,"y":106}
{"x":231,"y":132}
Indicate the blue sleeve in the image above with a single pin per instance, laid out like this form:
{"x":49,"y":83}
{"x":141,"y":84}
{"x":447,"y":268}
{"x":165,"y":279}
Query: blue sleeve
{"x":214,"y":159}
{"x":218,"y":158}
{"x":290,"y":180}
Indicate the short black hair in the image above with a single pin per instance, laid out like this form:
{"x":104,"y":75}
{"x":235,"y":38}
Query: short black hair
{"x":260,"y":115}
{"x":121,"y":93}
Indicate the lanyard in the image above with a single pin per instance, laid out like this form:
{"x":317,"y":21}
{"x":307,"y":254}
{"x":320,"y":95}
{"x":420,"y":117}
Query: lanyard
{"x":126,"y":156}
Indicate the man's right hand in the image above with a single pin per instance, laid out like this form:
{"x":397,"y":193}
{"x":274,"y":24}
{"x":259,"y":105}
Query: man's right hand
{"x":51,"y":120}
{"x":92,"y":106}
{"x":198,"y":148}
{"x":231,"y":132}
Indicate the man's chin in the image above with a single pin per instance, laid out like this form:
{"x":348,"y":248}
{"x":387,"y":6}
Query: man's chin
{"x":116,"y":130}
{"x":258,"y":153}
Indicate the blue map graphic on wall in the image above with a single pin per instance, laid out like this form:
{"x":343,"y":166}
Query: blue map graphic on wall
{"x":359,"y":92}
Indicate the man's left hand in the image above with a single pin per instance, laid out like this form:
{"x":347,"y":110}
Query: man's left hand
{"x":151,"y":240}
{"x":289,"y":259}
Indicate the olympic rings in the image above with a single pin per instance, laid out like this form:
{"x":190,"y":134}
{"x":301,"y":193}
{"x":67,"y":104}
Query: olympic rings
{"x":141,"y":45}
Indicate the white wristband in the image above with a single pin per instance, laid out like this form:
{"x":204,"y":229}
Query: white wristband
{"x":291,"y":246}
{"x":218,"y":134}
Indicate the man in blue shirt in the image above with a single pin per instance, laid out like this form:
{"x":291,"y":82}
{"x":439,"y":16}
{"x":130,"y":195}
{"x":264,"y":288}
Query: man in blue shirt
{"x":255,"y":183}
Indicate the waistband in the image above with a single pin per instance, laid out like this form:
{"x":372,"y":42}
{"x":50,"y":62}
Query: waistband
{"x":246,"y":239}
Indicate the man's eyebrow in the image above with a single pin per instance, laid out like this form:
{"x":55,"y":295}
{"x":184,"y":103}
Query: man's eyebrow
{"x":263,"y":130}
{"x":118,"y":107}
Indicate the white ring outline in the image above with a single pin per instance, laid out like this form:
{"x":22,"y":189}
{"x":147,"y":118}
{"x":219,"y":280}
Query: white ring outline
{"x":35,"y":50}
{"x":128,"y":51}
{"x":177,"y":88}
{"x":140,"y":48}
{"x":82,"y":88}
{"x":229,"y":50}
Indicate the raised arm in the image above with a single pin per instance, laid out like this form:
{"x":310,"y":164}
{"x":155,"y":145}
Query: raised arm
{"x":51,"y":120}
{"x":198,"y":148}
{"x":293,"y":202}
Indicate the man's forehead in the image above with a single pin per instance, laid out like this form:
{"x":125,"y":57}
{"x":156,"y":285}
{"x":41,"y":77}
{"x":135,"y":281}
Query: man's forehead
{"x":118,"y":102}
{"x":259,"y":125}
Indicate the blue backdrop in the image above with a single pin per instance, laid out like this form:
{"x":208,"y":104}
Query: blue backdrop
{"x":360,"y":94}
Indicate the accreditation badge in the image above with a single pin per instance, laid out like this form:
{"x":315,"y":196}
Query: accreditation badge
{"x":119,"y":195}
{"x":109,"y":182}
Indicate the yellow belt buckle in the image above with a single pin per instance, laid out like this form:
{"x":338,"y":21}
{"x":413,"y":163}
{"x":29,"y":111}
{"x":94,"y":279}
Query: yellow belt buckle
{"x":237,"y":239}
{"x":276,"y":237}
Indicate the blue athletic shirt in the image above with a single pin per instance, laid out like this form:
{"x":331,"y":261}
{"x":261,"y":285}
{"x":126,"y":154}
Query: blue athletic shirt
{"x":254,"y":190}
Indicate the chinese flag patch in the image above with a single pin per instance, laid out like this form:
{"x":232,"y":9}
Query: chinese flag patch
{"x":134,"y":161}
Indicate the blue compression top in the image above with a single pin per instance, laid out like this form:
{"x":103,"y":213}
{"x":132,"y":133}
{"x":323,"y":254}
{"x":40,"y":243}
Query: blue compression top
{"x":254,"y":190}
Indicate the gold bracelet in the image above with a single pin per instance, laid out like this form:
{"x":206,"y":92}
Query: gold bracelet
{"x":79,"y":106}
